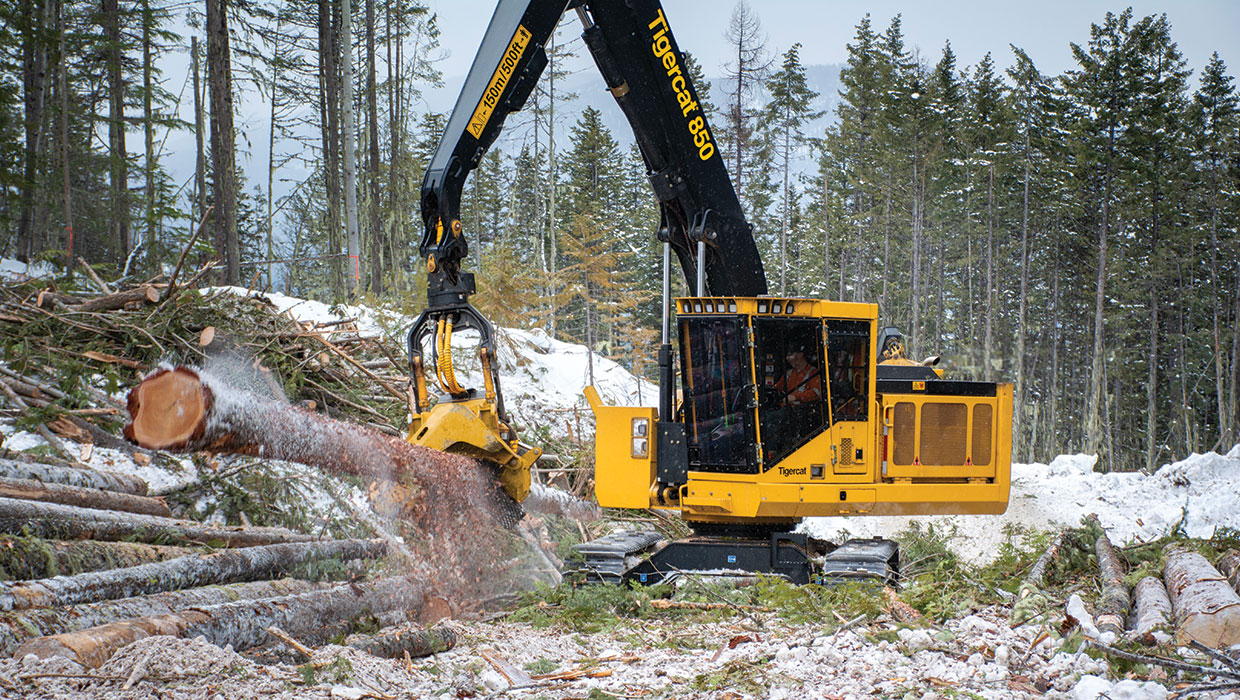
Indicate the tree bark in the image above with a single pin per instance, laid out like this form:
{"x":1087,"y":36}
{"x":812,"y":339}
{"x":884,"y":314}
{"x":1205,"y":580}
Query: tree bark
{"x":227,"y":566}
{"x":111,"y":302}
{"x":414,"y":642}
{"x":1207,"y":609}
{"x":223,"y":150}
{"x":83,"y":498}
{"x":200,"y":160}
{"x":34,"y":84}
{"x":25,"y":558}
{"x":329,"y":106}
{"x":350,"y":152}
{"x":69,"y":476}
{"x":1114,"y":605}
{"x":17,"y":627}
{"x":117,"y":156}
{"x":54,"y":521}
{"x":64,"y":137}
{"x":1153,"y":607}
{"x":148,"y":124}
{"x":372,"y":108}
{"x":242,"y":624}
{"x":1229,"y":566}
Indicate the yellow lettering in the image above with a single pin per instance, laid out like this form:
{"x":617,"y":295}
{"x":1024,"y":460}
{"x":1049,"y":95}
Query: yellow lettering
{"x":661,"y":46}
{"x":499,"y":81}
{"x":669,"y":61}
{"x":679,"y":88}
{"x":659,"y":20}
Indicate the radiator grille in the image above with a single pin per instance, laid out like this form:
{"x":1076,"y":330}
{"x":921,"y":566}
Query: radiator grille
{"x":982,"y":414}
{"x":943,"y":433}
{"x":902,"y":433}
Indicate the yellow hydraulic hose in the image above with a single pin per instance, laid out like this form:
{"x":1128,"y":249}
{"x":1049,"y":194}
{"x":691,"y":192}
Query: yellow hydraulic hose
{"x":447,"y":375}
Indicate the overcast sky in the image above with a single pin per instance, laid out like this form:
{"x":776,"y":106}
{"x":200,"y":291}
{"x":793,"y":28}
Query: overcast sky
{"x":1043,"y":28}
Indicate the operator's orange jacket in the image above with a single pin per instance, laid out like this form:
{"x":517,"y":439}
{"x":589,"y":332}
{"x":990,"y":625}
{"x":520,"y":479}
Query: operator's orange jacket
{"x":805,"y":385}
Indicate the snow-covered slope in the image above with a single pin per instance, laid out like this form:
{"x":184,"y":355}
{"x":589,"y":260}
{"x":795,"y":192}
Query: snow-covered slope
{"x":542,"y":378}
{"x":1198,"y":493}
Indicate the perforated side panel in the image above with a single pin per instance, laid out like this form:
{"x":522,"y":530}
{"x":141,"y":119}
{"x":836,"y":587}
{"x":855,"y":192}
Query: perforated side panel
{"x":846,"y":447}
{"x":902,"y":433}
{"x":982,"y":429}
{"x":943,"y":433}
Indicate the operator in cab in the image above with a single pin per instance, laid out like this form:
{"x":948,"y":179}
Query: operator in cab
{"x":801,"y":383}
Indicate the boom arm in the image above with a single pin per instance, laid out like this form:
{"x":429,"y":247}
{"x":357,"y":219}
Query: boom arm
{"x":700,"y":216}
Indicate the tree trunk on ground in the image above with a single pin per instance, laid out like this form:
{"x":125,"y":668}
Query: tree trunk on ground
{"x":1114,"y":605}
{"x":1153,"y":607}
{"x":17,"y":627}
{"x":241,"y":624}
{"x":1207,"y":609}
{"x":223,"y":151}
{"x":25,"y":558}
{"x":395,"y":644}
{"x":69,"y":476}
{"x":228,"y":566}
{"x":83,"y":498}
{"x":54,"y":521}
{"x":455,"y":501}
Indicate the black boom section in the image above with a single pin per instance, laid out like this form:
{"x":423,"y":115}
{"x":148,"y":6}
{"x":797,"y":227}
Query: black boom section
{"x":644,"y":69}
{"x":503,"y":75}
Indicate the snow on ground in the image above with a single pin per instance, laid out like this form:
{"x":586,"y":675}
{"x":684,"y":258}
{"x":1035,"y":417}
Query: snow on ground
{"x":12,"y":270}
{"x":1197,"y":493}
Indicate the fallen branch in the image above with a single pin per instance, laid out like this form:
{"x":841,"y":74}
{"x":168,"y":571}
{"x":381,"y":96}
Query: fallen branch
{"x":143,"y":294}
{"x":1164,"y":662}
{"x":242,"y":624}
{"x":54,"y":521}
{"x":228,"y":566}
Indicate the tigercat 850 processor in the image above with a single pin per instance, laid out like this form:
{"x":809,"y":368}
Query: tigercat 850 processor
{"x":779,"y":408}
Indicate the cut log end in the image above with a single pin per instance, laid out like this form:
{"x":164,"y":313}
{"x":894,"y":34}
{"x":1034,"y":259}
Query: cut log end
{"x":168,"y":409}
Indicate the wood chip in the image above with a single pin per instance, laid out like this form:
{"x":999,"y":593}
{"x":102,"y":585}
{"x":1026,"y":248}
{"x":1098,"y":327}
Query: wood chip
{"x":112,"y":359}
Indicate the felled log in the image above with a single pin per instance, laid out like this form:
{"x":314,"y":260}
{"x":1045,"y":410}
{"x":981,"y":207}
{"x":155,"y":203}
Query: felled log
{"x":227,"y":566}
{"x":395,"y":644}
{"x":29,"y":490}
{"x":314,"y":615}
{"x":452,"y":500}
{"x":25,"y":558}
{"x":1229,"y":566}
{"x":144,"y":294}
{"x":1206,"y":607}
{"x":70,"y":476}
{"x":1032,"y":583}
{"x":19,"y":626}
{"x":1152,"y":606}
{"x":1114,"y":604}
{"x":54,"y":521}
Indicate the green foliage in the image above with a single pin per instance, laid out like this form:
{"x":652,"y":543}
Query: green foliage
{"x":589,"y":609}
{"x":734,"y":675}
{"x":940,"y":585}
{"x":542,"y":666}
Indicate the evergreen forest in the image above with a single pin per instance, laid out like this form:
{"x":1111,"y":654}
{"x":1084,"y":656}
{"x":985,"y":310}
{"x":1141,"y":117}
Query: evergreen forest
{"x":1076,"y":234}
